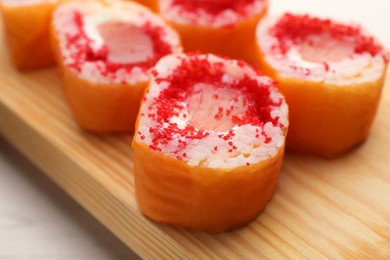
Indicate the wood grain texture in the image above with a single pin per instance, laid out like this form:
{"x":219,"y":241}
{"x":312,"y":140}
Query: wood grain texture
{"x":322,"y":209}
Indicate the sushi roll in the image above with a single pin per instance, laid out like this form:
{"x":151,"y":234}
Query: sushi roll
{"x":105,"y":51}
{"x":26,"y":25}
{"x":209,"y":143}
{"x":331,"y":74}
{"x":223,"y":27}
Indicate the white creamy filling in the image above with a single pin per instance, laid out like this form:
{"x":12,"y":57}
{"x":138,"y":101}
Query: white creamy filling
{"x":94,"y":20}
{"x":352,"y":69}
{"x":225,"y":18}
{"x":95,"y":14}
{"x":250,"y":144}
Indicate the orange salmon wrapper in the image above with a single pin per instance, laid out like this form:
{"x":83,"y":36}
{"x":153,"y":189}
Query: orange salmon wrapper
{"x":209,"y":143}
{"x":26,"y":24}
{"x":221,"y":27}
{"x":332,"y":75}
{"x":106,"y":50}
{"x":152,"y":4}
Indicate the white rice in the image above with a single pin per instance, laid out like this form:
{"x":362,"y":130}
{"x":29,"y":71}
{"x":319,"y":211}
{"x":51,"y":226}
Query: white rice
{"x":94,"y":14}
{"x":201,"y":152}
{"x":353,"y":69}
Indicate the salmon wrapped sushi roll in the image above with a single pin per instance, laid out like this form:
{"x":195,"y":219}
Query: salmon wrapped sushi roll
{"x":224,"y":27}
{"x":331,"y":74}
{"x":209,"y":143}
{"x":27,"y":26}
{"x":106,"y":50}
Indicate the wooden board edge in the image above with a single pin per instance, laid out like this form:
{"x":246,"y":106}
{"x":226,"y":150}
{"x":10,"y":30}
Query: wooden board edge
{"x":86,"y":191}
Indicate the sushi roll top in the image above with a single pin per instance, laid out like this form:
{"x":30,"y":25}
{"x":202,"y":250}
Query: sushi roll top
{"x":213,"y":13}
{"x":320,"y":50}
{"x":211,"y":112}
{"x":112,"y":41}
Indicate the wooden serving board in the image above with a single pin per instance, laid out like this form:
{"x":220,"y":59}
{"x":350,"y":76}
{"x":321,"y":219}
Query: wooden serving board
{"x":321,"y":209}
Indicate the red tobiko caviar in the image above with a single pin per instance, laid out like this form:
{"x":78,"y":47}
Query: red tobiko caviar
{"x":297,"y":28}
{"x":86,"y":53}
{"x":214,"y":7}
{"x":249,"y":102}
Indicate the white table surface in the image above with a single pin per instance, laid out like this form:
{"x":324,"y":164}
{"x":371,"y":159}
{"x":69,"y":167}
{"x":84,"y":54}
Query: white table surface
{"x":39,"y":221}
